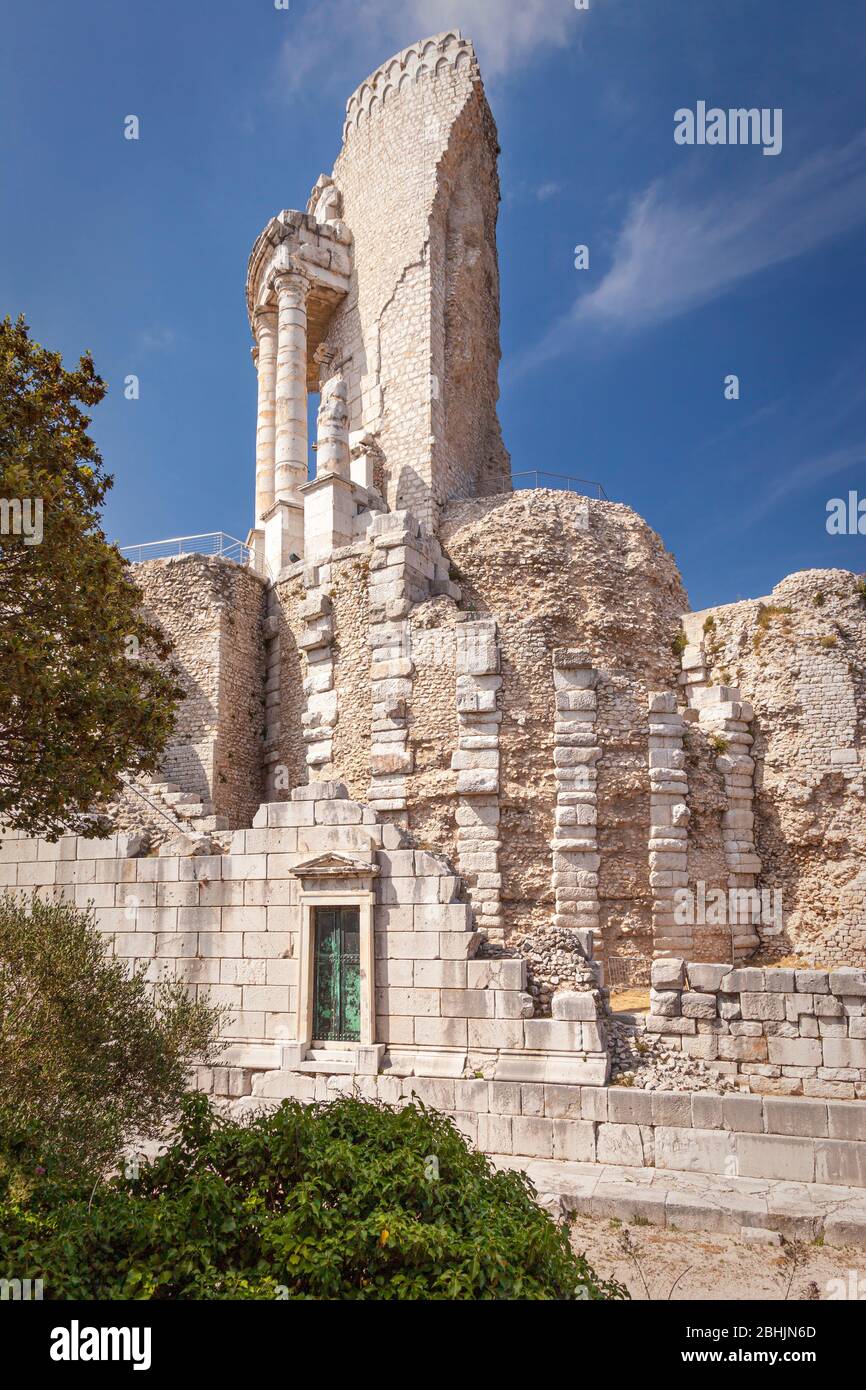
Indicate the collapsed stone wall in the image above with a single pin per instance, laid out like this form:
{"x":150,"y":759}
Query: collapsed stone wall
{"x":797,"y":657}
{"x":777,"y":1031}
{"x":418,"y":335}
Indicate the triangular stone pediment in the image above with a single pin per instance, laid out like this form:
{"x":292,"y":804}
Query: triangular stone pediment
{"x":333,"y":865}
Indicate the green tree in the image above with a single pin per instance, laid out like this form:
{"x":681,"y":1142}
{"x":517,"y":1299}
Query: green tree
{"x":91,"y":1056}
{"x":84,"y":692}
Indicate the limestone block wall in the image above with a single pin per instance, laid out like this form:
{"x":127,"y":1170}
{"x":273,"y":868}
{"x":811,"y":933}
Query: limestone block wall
{"x":779,"y":1031}
{"x":418,"y":335}
{"x":734,"y":1136}
{"x":455,"y":1026}
{"x":797,"y":658}
{"x":230,"y":924}
{"x":213,"y":610}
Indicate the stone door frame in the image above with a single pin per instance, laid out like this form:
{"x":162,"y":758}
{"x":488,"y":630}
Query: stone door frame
{"x":365,"y":901}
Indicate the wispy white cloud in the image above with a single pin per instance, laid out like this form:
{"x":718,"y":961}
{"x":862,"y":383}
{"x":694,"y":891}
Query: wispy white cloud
{"x":525,"y":192}
{"x":806,"y":474}
{"x":157,"y":339}
{"x":507,"y":33}
{"x":546,"y":191}
{"x":677,"y":251}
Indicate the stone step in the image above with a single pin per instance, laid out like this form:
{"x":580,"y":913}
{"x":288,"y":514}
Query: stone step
{"x":341,"y":1068}
{"x":698,"y":1201}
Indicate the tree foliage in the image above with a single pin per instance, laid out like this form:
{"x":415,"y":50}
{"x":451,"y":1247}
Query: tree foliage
{"x":345,"y":1201}
{"x":83,"y":697}
{"x":90,"y":1054}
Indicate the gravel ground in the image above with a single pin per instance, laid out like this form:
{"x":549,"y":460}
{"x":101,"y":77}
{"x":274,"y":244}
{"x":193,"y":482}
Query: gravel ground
{"x":684,"y":1265}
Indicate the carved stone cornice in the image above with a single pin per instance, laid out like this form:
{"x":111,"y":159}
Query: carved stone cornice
{"x":294,"y":242}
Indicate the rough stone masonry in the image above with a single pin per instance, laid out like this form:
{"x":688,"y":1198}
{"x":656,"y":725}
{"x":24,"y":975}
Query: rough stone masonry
{"x":450,"y":754}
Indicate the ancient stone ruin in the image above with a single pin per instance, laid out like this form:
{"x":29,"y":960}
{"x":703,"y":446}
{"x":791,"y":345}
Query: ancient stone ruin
{"x":455,"y":758}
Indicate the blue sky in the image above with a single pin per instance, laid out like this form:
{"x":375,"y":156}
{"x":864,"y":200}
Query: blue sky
{"x":704,"y":261}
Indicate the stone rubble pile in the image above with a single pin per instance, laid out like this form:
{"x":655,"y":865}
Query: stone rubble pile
{"x":643,"y":1060}
{"x":556,"y":960}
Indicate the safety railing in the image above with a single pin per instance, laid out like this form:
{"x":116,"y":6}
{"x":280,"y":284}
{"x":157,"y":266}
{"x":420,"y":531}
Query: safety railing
{"x":558,"y":480}
{"x":211,"y":543}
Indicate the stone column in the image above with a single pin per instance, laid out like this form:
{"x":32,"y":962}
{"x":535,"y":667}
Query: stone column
{"x":332,"y":451}
{"x":265,"y":357}
{"x":291,"y":288}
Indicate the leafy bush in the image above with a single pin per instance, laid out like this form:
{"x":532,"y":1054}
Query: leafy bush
{"x":91,"y":1055}
{"x":345,"y":1201}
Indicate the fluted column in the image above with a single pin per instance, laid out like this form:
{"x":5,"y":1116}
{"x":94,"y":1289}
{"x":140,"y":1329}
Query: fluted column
{"x":265,"y":356}
{"x":292,"y":288}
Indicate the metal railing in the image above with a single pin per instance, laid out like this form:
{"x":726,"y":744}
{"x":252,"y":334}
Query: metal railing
{"x":211,"y":543}
{"x":559,"y":481}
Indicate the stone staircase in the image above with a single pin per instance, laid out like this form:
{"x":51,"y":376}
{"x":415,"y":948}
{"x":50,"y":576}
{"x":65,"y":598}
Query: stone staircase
{"x":190,"y":813}
{"x":694,"y":1201}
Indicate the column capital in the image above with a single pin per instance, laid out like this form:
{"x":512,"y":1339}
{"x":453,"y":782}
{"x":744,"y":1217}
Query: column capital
{"x":292,"y":282}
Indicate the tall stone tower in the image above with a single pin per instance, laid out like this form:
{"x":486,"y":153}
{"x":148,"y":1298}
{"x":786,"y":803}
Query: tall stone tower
{"x":389,"y":281}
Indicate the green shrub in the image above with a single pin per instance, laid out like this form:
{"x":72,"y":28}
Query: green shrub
{"x":345,"y":1201}
{"x":771,"y":612}
{"x":91,"y":1055}
{"x":679,"y":644}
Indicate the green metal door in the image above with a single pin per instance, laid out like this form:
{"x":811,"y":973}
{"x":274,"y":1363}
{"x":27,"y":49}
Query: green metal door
{"x":337,"y":987}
